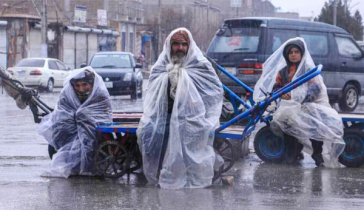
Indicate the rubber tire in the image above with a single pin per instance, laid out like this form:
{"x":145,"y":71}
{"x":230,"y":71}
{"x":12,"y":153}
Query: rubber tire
{"x":49,"y":87}
{"x":280,"y":152}
{"x":357,"y":159}
{"x":287,"y":152}
{"x":263,"y":152}
{"x":343,"y":101}
{"x":51,"y":151}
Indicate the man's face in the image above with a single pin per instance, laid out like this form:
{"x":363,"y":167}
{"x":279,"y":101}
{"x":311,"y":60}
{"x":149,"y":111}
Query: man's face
{"x":294,"y":55}
{"x":179,"y":49}
{"x":82,"y":87}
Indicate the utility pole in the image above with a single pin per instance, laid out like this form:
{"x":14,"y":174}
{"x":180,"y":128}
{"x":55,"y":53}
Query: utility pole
{"x":159,"y":26}
{"x":44,"y":47}
{"x":208,"y":18}
{"x":335,"y":11}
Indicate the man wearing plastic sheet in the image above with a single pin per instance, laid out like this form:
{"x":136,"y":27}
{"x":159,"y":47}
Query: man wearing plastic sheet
{"x":83,"y":104}
{"x":305,"y":112}
{"x":181,"y":111}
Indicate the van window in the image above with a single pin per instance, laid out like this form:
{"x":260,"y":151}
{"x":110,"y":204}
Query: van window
{"x":244,"y":40}
{"x":346,"y":47}
{"x":279,"y":36}
{"x":317,"y":43}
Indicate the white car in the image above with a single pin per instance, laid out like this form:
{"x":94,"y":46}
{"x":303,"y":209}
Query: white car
{"x":46,"y":73}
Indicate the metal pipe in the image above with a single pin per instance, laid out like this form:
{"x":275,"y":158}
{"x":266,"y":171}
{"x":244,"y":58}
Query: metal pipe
{"x":235,"y":79}
{"x":260,"y":105}
{"x":236,"y":96}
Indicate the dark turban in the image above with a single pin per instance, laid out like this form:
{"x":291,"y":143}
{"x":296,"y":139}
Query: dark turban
{"x":180,"y":36}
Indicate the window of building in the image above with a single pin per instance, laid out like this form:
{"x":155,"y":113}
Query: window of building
{"x":131,"y":43}
{"x":123,"y":41}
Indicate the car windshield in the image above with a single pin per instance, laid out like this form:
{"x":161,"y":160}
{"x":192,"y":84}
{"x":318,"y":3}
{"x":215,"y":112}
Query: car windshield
{"x":31,"y":63}
{"x":111,"y":61}
{"x":244,"y":40}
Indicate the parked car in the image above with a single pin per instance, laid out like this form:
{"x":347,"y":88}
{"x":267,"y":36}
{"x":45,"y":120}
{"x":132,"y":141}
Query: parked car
{"x":361,"y":44}
{"x":242,"y":46}
{"x":46,"y":73}
{"x":121,"y":74}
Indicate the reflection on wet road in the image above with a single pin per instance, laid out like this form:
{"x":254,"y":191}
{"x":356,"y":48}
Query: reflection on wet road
{"x":257,"y":185}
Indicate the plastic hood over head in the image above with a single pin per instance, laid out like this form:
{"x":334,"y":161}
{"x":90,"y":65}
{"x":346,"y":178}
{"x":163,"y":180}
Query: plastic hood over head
{"x":70,"y":128}
{"x":293,"y":44}
{"x":308,"y":115}
{"x":190,"y":157}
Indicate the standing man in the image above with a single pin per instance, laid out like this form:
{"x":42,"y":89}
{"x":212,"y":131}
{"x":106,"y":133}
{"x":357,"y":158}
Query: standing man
{"x":181,"y":111}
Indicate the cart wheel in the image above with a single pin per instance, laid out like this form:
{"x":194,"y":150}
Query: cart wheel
{"x":226,"y":151}
{"x":112,"y":160}
{"x":269,"y":147}
{"x":353,"y":155}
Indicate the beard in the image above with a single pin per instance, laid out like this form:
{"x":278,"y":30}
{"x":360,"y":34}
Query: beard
{"x":173,"y":71}
{"x":82,"y":96}
{"x":177,"y":58}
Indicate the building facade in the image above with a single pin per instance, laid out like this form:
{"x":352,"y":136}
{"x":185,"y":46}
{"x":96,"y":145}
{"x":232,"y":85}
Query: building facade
{"x":201,"y":17}
{"x":76,"y":29}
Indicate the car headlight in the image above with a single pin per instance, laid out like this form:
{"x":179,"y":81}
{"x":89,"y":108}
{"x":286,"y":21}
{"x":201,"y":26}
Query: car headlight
{"x":128,"y":76}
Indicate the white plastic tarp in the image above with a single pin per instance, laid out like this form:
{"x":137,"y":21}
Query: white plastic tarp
{"x":299,"y":117}
{"x":70,"y":128}
{"x":190,"y":157}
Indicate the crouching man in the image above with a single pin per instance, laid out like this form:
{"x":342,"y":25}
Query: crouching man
{"x":83,"y":104}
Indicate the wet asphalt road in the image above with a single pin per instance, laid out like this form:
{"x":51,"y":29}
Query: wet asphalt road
{"x":23,"y":158}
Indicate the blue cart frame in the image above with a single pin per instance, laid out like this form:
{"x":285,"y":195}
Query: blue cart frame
{"x":254,"y":113}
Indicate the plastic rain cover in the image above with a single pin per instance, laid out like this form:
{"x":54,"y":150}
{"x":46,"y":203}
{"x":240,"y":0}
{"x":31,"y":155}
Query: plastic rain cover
{"x":71,"y":126}
{"x":190,"y":157}
{"x":308,"y":115}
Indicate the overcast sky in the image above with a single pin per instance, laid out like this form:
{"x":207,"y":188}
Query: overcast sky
{"x":312,"y":7}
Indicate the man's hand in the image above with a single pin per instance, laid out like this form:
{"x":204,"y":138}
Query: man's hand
{"x":287,"y":96}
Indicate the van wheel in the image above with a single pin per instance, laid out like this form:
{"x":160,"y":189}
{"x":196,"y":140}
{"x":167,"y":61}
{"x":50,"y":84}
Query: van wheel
{"x":350,"y":98}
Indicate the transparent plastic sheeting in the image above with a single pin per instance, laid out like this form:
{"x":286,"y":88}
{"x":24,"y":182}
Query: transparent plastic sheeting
{"x":70,"y":128}
{"x":190,"y":157}
{"x":308,"y":115}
